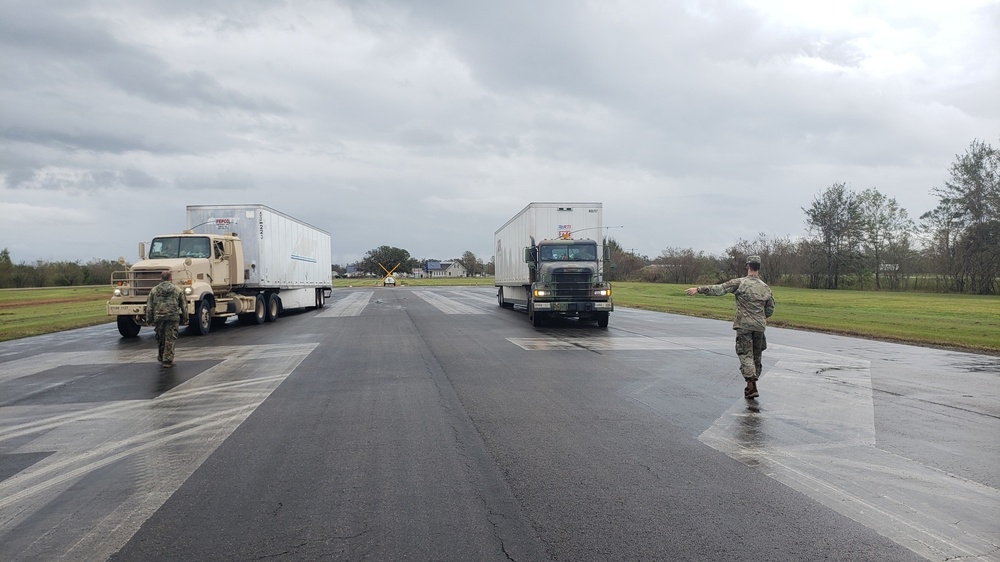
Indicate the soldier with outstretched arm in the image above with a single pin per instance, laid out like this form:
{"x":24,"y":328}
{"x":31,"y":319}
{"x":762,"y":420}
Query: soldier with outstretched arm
{"x":754,"y":305}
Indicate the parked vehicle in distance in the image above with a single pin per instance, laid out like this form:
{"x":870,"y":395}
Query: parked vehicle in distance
{"x":247,"y":261}
{"x":541,"y":266}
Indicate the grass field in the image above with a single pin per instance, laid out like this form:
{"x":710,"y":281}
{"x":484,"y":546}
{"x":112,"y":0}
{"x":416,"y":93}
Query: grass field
{"x":967,"y":322}
{"x":31,"y":312}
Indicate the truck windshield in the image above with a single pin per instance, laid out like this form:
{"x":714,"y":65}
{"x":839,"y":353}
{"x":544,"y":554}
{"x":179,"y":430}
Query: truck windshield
{"x":180,"y":247}
{"x":569,"y":252}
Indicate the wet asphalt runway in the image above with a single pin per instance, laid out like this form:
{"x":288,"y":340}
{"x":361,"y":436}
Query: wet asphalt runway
{"x":429,"y":424}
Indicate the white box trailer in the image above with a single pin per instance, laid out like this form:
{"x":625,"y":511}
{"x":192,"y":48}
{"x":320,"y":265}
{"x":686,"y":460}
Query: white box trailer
{"x":549,"y":259}
{"x":280,"y":253}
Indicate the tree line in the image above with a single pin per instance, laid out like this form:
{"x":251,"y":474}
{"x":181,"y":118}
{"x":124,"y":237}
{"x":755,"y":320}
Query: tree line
{"x":864,"y":240}
{"x":54,"y":274}
{"x":853,"y":240}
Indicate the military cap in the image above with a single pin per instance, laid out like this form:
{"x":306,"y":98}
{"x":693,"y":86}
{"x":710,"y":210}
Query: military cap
{"x":753,"y":259}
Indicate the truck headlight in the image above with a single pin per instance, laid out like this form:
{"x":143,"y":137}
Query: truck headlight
{"x":118,"y":292}
{"x":602,"y":292}
{"x":541,"y":293}
{"x":187,"y":290}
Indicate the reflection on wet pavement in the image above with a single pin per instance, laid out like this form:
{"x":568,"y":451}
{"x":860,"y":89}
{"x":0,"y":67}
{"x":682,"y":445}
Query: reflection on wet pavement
{"x":80,"y":475}
{"x":813,"y":429}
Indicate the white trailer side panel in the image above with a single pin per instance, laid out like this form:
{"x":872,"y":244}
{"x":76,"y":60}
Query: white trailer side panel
{"x":542,"y":221}
{"x":279,"y":251}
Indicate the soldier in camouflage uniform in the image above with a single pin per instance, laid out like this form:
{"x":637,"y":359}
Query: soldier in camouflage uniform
{"x":166,"y":309}
{"x":754,"y":304}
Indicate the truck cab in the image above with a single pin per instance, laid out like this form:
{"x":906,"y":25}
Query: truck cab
{"x":205,"y":267}
{"x":567,"y":281}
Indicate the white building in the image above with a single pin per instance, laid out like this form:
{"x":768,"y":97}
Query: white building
{"x":438,"y":269}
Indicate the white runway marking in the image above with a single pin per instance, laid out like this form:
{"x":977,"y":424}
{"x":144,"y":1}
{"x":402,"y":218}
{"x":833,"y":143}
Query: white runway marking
{"x":630,"y":343}
{"x":163,"y":440}
{"x":446,"y":305}
{"x":490,"y":300}
{"x":813,"y":429}
{"x":351,"y":305}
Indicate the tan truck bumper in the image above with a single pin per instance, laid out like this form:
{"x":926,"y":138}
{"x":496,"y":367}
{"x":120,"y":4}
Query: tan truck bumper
{"x":127,"y":310}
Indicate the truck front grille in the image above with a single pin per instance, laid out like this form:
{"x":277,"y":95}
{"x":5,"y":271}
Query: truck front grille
{"x":141,"y":282}
{"x":145,"y":281}
{"x":569,"y":286}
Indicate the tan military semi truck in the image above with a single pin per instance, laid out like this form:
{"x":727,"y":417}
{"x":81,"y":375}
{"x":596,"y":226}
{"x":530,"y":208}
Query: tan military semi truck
{"x":244,"y":261}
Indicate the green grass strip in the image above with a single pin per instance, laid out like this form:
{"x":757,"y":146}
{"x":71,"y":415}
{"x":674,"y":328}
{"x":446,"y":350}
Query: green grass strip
{"x":969,"y":322}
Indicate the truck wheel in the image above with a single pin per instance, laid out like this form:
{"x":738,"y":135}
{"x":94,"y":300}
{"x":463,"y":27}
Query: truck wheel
{"x":537,"y":318}
{"x":273,"y":308}
{"x":602,"y":319}
{"x":201,"y":322}
{"x":128,"y":327}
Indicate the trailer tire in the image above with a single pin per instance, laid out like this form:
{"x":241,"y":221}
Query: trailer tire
{"x":259,"y":311}
{"x":273,"y":307}
{"x":128,"y":327}
{"x":501,"y":302}
{"x":201,"y":322}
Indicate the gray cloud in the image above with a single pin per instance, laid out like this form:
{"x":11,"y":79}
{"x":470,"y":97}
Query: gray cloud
{"x":426,"y":125}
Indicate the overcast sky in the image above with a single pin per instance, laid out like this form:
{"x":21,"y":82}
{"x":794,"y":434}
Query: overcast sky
{"x":426,"y":125}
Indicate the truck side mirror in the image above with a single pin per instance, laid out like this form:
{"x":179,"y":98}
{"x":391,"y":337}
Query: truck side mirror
{"x":142,"y":251}
{"x":607,"y":253}
{"x":531,"y":256}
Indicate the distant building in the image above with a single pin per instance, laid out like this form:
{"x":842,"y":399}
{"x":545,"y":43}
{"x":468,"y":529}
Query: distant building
{"x":438,"y":269}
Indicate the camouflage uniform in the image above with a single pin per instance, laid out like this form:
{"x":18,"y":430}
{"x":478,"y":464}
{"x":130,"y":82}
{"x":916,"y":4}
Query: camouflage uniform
{"x":754,"y":304}
{"x":166,"y":309}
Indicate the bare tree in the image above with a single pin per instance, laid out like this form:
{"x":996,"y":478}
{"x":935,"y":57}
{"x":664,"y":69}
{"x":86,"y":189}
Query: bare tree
{"x":676,"y":265}
{"x":776,"y":254}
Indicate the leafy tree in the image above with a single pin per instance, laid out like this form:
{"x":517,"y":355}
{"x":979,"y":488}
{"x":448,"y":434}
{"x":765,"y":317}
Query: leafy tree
{"x":965,"y":226}
{"x":622,"y":265}
{"x":884,"y":226}
{"x":388,"y":257}
{"x":98,"y":271}
{"x":834,"y":217}
{"x":6,"y":269}
{"x":472,"y":264}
